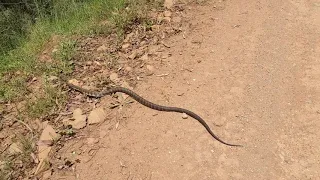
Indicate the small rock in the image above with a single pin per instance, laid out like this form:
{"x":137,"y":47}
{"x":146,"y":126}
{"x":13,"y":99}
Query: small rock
{"x":145,"y":57}
{"x":184,"y":116}
{"x":74,"y":81}
{"x":142,"y":43}
{"x":150,"y":70}
{"x":128,"y":69}
{"x":167,"y":14}
{"x":133,"y":55}
{"x":97,"y":115}
{"x":91,"y":141}
{"x":114,"y":77}
{"x":79,"y":119}
{"x":48,"y":134}
{"x":168,"y":4}
{"x":102,"y":48}
{"x":125,"y":46}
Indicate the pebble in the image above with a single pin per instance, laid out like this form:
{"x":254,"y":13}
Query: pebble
{"x":167,"y":14}
{"x":150,"y":70}
{"x":144,"y":57}
{"x":125,"y":46}
{"x":96,"y":116}
{"x":184,"y":116}
{"x":114,"y":77}
{"x":128,"y":69}
{"x":133,"y":55}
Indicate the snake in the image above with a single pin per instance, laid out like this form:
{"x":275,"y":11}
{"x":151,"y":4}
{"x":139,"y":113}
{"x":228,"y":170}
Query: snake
{"x":143,"y":101}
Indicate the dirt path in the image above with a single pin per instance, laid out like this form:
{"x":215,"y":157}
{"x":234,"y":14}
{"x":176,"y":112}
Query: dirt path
{"x":251,"y":70}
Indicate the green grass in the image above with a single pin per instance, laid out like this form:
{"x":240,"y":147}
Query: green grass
{"x":67,"y":20}
{"x":70,"y":18}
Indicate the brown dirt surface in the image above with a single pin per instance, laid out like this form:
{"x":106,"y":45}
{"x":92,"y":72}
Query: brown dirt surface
{"x":249,"y":68}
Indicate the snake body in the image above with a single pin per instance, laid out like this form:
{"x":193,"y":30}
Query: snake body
{"x":148,"y":104}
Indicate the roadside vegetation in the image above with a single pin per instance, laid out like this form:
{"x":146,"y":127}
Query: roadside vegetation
{"x":32,"y":30}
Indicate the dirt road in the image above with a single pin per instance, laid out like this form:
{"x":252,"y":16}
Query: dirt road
{"x":251,"y":69}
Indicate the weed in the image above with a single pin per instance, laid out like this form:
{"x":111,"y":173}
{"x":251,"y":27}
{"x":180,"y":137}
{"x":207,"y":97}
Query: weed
{"x":49,"y":102}
{"x":63,"y":56}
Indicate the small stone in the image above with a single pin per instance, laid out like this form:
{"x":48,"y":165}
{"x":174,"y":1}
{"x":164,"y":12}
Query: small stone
{"x":91,"y":141}
{"x":145,"y":57}
{"x":79,"y":119}
{"x":48,"y":134}
{"x":150,"y":70}
{"x":97,"y":115}
{"x":142,"y":43}
{"x":125,"y":46}
{"x":167,"y":14}
{"x":102,"y":48}
{"x":128,"y":69}
{"x":184,"y":116}
{"x":114,"y":77}
{"x":133,"y":55}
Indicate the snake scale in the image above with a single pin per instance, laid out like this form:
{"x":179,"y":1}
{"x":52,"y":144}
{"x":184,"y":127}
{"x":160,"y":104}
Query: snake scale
{"x":146,"y":103}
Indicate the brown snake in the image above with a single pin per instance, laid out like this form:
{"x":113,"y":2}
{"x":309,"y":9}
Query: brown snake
{"x":146,"y":103}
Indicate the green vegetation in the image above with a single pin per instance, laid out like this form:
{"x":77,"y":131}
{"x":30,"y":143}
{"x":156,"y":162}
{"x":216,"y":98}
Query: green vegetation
{"x":33,"y":29}
{"x":27,"y":29}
